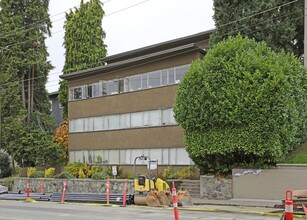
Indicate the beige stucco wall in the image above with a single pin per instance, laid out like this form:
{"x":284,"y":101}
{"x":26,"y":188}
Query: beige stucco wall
{"x":149,"y":99}
{"x":268,"y":183}
{"x":155,"y":137}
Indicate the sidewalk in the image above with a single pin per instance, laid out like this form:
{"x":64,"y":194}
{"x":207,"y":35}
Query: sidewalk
{"x":238,"y":202}
{"x":251,"y":206}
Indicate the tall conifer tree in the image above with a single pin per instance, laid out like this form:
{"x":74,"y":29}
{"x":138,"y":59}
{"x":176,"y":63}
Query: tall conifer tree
{"x":280,"y":28}
{"x":24,"y":26}
{"x":83,"y":41}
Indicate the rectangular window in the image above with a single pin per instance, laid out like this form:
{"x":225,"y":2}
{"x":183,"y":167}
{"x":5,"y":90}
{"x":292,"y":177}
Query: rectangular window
{"x":124,"y":121}
{"x":171,"y":76}
{"x":135,"y":83}
{"x":146,"y":119}
{"x":113,"y":156}
{"x":172,"y":117}
{"x":77,"y":93}
{"x":180,"y":72}
{"x":164,"y":77}
{"x":144,"y":81}
{"x":96,"y":90}
{"x":98,"y":123}
{"x":79,"y":123}
{"x":112,"y":87}
{"x":122,"y":156}
{"x":114,"y":122}
{"x":182,"y":157}
{"x":88,"y":124}
{"x":172,"y":156}
{"x":121,"y":85}
{"x":166,"y":116}
{"x":89,"y":91}
{"x":136,"y":119}
{"x":72,"y":125}
{"x":105,"y":124}
{"x":155,"y":119}
{"x":104,"y":88}
{"x":154,"y":79}
{"x":165,"y":156}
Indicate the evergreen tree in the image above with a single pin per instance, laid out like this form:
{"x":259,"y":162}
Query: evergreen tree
{"x":24,"y":26}
{"x":83,"y":41}
{"x":280,"y":28}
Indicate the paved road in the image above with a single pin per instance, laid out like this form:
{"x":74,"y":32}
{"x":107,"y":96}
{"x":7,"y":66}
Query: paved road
{"x":13,"y":210}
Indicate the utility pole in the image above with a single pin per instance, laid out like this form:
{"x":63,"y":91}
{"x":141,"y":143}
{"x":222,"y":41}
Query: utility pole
{"x":305,"y":35}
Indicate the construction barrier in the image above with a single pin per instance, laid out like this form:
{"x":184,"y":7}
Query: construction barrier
{"x":175,"y":203}
{"x":125,"y":194}
{"x":108,"y":191}
{"x":289,"y":206}
{"x":64,"y":191}
{"x":28,"y":188}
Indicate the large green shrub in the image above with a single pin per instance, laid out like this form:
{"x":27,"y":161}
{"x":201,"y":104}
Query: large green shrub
{"x":242,"y":105}
{"x":5,"y":165}
{"x":100,"y":176}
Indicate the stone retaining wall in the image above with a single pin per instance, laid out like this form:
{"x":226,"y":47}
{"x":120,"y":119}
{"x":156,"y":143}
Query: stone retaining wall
{"x":215,"y":188}
{"x":73,"y":185}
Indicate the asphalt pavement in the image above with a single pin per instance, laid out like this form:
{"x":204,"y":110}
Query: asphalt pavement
{"x":14,"y":210}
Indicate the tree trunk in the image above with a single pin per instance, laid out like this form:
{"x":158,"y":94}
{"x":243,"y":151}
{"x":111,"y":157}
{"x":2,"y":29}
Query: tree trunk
{"x":29,"y":97}
{"x":32,"y":88}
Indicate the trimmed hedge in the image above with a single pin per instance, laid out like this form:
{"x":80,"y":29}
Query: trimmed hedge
{"x":242,"y":105}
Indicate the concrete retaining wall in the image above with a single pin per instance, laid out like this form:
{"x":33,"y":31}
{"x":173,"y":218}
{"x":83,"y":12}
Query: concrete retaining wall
{"x":268,"y":183}
{"x":215,"y":188}
{"x":73,"y":185}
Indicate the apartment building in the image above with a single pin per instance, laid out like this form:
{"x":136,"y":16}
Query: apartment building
{"x":125,"y":108}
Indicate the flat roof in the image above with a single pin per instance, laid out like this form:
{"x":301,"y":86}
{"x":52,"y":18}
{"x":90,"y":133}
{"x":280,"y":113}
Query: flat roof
{"x":160,"y":46}
{"x":128,"y":63}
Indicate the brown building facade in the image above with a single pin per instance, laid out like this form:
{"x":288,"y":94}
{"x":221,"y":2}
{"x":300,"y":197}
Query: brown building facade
{"x":124,"y":108}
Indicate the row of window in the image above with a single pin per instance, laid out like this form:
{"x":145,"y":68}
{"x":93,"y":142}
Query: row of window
{"x":128,"y":84}
{"x":165,"y":156}
{"x":151,"y":118}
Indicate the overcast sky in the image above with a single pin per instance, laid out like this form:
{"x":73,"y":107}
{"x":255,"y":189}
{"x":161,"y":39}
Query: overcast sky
{"x":150,"y":22}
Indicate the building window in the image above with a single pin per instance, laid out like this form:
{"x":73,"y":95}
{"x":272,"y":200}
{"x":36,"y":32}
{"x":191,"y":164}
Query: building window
{"x":164,"y":156}
{"x":171,"y":76}
{"x":135,"y":83}
{"x":154,"y":79}
{"x":136,"y":119}
{"x":112,"y":87}
{"x":113,"y":122}
{"x":77,"y":93}
{"x":180,"y":71}
{"x":132,"y":83}
{"x":164,"y":74}
{"x":144,"y":81}
{"x":123,"y":121}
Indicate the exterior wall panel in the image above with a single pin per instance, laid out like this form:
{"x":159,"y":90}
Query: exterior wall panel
{"x":157,"y":137}
{"x":149,"y":99}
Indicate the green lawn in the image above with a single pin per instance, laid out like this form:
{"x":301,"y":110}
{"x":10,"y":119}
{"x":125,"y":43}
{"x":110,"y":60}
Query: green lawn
{"x":298,"y":156}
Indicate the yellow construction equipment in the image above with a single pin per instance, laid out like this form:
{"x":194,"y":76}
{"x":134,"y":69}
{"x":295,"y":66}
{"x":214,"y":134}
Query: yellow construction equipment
{"x":152,"y":191}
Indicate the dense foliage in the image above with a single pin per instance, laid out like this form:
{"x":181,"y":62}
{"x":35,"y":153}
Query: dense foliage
{"x":83,"y":41}
{"x":61,"y":138}
{"x":280,"y":27}
{"x":242,"y":105}
{"x":5,"y":165}
{"x":24,"y":103}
